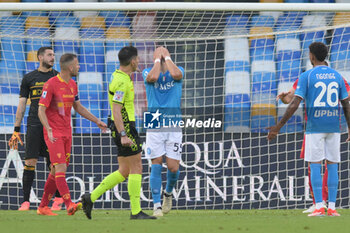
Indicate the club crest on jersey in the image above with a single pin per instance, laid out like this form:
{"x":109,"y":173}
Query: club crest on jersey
{"x":44,"y":94}
{"x":118,"y":96}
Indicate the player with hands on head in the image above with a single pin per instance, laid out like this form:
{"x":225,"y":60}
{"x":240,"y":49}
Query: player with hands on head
{"x":163,"y":90}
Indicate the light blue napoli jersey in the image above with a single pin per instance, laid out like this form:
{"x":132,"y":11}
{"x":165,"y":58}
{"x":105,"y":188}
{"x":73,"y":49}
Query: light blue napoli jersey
{"x":165,"y":94}
{"x":322,"y":88}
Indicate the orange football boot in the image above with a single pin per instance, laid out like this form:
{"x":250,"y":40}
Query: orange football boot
{"x":57,"y":203}
{"x":333,"y":213}
{"x":74,"y":207}
{"x":45,"y":211}
{"x":25,"y":206}
{"x":318,"y":213}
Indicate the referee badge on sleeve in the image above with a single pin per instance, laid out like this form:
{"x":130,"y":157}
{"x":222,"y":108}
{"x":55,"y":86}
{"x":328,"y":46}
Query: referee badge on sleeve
{"x":118,"y":96}
{"x":44,"y":94}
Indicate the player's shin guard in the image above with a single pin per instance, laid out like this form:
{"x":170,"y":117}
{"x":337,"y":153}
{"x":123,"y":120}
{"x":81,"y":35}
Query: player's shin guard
{"x":134,"y":189}
{"x":333,"y":180}
{"x":27,"y":180}
{"x":316,"y":180}
{"x":155,"y":182}
{"x":107,"y":183}
{"x":49,"y":190}
{"x":62,"y":186}
{"x":172,"y":178}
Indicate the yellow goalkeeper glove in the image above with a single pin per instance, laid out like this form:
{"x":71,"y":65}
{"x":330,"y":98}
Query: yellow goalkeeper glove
{"x":16,"y":136}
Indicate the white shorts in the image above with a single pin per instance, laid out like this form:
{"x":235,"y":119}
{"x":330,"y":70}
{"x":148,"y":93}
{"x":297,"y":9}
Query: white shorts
{"x":321,"y":146}
{"x":163,"y":143}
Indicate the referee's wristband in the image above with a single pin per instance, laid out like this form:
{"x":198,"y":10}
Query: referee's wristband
{"x":156,"y":61}
{"x":167,"y":58}
{"x":17,"y":129}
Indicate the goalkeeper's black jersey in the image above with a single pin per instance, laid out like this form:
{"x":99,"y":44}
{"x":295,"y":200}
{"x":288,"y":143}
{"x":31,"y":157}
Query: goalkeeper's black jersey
{"x":31,"y":87}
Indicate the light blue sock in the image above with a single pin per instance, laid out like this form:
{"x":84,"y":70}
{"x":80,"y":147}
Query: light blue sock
{"x":155,"y":182}
{"x":332,"y":182}
{"x":316,"y":181}
{"x":171,"y":180}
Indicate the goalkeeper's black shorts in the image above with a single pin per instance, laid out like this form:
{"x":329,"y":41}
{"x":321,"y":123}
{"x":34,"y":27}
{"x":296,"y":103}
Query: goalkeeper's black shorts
{"x":131,"y":132}
{"x":35,"y":143}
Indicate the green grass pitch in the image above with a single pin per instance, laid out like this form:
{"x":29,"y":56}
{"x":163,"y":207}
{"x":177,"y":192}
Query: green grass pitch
{"x":192,"y":221}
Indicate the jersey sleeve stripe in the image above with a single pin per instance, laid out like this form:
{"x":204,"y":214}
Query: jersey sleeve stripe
{"x":43,"y":105}
{"x":117,"y":102}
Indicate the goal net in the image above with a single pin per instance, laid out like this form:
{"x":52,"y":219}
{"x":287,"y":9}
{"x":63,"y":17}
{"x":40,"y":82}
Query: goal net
{"x":236,"y":58}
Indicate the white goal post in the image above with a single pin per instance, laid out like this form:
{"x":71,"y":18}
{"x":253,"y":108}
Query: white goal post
{"x":236,"y":57}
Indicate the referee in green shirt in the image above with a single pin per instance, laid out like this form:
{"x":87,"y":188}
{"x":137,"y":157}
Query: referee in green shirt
{"x":121,"y":98}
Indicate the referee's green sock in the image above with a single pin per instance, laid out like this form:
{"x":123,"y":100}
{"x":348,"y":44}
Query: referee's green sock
{"x":134,"y":189}
{"x":107,"y":183}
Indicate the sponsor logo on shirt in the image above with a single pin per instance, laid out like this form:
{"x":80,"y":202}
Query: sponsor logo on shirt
{"x":44,"y":94}
{"x":39,"y":83}
{"x":68,"y":96}
{"x":118,"y":96}
{"x":164,"y":86}
{"x":326,"y":113}
{"x":36,"y":92}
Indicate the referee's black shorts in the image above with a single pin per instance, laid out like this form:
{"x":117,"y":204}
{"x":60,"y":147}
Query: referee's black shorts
{"x":35,"y":143}
{"x":131,"y":132}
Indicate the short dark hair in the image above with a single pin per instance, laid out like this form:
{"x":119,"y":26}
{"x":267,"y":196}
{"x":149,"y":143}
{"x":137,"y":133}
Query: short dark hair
{"x":66,"y":58}
{"x":319,"y":50}
{"x":126,"y":54}
{"x":42,"y":50}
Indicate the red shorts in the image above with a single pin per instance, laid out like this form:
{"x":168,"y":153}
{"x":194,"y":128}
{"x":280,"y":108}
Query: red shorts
{"x":302,"y":152}
{"x":59,"y":150}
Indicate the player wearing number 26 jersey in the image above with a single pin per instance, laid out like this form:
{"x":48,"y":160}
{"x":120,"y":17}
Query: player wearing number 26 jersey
{"x":321,"y":88}
{"x":302,"y":152}
{"x":322,"y":101}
